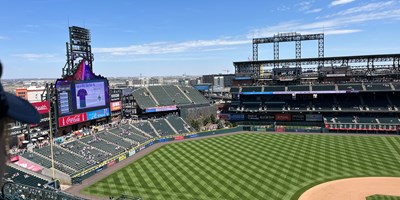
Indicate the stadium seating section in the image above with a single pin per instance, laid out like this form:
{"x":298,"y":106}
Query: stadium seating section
{"x":76,"y":155}
{"x":252,"y":89}
{"x":298,"y":88}
{"x":323,"y":87}
{"x":143,"y":98}
{"x":146,"y":127}
{"x":162,"y":127}
{"x":274,"y":88}
{"x":167,"y":95}
{"x":21,"y":177}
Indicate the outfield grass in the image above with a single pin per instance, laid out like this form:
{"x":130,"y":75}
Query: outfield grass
{"x":251,"y":166}
{"x":383,"y":197}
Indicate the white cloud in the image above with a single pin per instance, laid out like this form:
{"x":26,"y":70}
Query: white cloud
{"x":316,"y":10}
{"x":340,"y":2}
{"x":370,"y":7}
{"x":335,"y":24}
{"x":305,"y":5}
{"x":34,"y":56}
{"x":340,"y":31}
{"x":170,"y":47}
{"x":32,"y":26}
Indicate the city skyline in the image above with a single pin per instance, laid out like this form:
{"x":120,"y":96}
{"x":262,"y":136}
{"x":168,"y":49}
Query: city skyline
{"x":156,"y":38}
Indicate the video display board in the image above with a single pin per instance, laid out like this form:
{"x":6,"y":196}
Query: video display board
{"x":81,"y":96}
{"x":64,"y":100}
{"x":90,"y":95}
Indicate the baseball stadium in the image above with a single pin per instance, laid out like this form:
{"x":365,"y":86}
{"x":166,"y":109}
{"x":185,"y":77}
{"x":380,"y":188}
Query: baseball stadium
{"x":301,"y":128}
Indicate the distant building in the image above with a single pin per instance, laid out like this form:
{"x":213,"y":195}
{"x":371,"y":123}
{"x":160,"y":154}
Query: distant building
{"x":222,"y":80}
{"x":219,"y":82}
{"x":22,"y":92}
{"x":35,"y":93}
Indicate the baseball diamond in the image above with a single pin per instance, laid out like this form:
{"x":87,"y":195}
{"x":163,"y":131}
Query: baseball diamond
{"x":251,"y":166}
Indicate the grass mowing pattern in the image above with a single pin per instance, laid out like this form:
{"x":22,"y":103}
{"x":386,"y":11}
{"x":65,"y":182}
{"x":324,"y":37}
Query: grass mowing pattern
{"x":382,"y":197}
{"x":251,"y":166}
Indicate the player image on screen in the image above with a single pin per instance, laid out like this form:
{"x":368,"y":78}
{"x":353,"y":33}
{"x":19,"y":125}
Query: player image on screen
{"x":90,"y":95}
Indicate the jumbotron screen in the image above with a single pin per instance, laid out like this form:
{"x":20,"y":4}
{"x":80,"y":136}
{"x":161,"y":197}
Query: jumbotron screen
{"x":90,"y":95}
{"x":64,"y":100}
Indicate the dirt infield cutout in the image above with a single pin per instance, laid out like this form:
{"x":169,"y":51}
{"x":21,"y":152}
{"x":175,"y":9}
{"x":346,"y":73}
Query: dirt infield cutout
{"x":353,"y":188}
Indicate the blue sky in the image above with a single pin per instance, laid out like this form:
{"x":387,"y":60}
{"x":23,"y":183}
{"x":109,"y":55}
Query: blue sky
{"x":151,"y":38}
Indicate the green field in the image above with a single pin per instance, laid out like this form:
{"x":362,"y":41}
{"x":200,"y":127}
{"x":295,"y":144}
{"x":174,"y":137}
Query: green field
{"x":251,"y":166}
{"x":382,"y":197}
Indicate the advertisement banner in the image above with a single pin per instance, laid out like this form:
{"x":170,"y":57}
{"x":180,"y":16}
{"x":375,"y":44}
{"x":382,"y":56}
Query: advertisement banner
{"x":163,"y":140}
{"x":297,"y":117}
{"x":30,"y":166}
{"x":141,"y":148}
{"x":160,"y":109}
{"x":42,"y":107}
{"x":280,"y":129}
{"x":283,"y":117}
{"x":237,"y":117}
{"x":115,"y":95}
{"x":267,"y":117}
{"x":132,"y":152}
{"x":14,"y":158}
{"x":224,"y":116}
{"x":114,"y":106}
{"x":193,"y":136}
{"x":180,"y":137}
{"x":111,"y":163}
{"x":252,"y":117}
{"x":121,"y":158}
{"x":98,"y":169}
{"x":98,"y":114}
{"x":72,"y":119}
{"x":314,"y":118}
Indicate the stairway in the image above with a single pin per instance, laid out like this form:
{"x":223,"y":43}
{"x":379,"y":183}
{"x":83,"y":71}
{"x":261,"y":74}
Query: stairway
{"x":155,"y":100}
{"x":170,"y":125}
{"x":144,"y":133}
{"x":154,"y":129}
{"x":184,"y":93}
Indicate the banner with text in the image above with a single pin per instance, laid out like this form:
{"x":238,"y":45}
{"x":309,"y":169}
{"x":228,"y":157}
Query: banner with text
{"x":72,"y":119}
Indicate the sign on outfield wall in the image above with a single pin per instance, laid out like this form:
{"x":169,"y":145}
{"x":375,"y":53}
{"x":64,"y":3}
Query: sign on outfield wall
{"x":180,"y":137}
{"x":314,"y":118}
{"x":298,"y":117}
{"x":132,"y":152}
{"x":98,"y":169}
{"x":283,"y":117}
{"x":111,"y":163}
{"x":121,"y":158}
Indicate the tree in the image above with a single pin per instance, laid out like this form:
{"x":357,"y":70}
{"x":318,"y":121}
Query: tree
{"x":206,"y":120}
{"x":213,"y":119}
{"x":220,"y":124}
{"x":228,"y":124}
{"x":195,"y":124}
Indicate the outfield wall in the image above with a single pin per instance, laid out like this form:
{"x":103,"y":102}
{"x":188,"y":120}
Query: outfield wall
{"x":79,"y":177}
